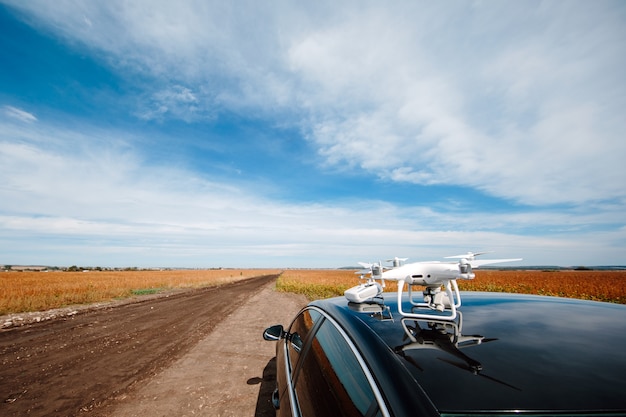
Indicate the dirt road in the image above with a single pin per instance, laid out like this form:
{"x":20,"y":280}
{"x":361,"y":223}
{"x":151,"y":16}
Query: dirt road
{"x":194,"y":353}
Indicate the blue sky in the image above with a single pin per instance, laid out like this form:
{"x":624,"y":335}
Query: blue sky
{"x":318,"y":134}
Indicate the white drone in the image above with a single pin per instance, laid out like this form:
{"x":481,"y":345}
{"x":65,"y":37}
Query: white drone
{"x":432,"y":275}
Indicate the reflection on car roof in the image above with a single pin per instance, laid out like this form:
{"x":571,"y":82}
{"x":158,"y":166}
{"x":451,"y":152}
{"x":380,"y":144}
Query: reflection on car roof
{"x":505,"y":351}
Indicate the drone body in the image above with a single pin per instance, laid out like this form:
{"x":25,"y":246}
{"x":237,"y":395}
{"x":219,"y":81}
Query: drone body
{"x":431,"y":275}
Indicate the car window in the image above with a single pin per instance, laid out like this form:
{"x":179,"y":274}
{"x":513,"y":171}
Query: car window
{"x":299,"y":331}
{"x":330,"y":380}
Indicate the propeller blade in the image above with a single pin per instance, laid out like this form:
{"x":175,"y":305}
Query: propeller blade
{"x":468,"y":255}
{"x":481,"y":262}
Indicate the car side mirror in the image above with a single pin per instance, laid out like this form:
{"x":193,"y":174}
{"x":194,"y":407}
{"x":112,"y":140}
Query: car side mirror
{"x":274,"y":333}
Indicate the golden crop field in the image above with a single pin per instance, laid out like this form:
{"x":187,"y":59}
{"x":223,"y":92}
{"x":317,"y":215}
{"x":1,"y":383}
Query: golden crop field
{"x":590,"y":285}
{"x":323,"y":283}
{"x":36,"y":291}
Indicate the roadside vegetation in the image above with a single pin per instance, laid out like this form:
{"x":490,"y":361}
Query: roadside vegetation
{"x":36,"y":291}
{"x":609,"y":286}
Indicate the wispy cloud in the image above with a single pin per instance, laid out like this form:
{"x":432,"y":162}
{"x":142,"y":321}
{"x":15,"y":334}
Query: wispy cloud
{"x":19,"y":114}
{"x":173,"y":102}
{"x":94,"y":187}
{"x":521,"y":102}
{"x":530,"y":118}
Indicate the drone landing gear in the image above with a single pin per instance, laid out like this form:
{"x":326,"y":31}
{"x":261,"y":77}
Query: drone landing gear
{"x":432,"y":299}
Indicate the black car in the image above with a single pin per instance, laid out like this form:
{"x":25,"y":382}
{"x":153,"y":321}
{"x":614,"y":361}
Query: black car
{"x":504,"y":354}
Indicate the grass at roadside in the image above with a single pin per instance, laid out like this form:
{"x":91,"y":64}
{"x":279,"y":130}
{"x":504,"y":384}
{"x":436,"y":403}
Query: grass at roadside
{"x":36,"y":291}
{"x":607,"y":286}
{"x":323,"y":283}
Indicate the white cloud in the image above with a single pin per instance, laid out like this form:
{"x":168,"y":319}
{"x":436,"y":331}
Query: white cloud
{"x":93,"y":187}
{"x":523,"y":102}
{"x":19,"y":114}
{"x":528,"y":118}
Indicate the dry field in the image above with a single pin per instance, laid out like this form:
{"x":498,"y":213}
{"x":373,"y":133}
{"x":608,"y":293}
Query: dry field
{"x":36,"y":291}
{"x":587,"y":285}
{"x":590,"y":285}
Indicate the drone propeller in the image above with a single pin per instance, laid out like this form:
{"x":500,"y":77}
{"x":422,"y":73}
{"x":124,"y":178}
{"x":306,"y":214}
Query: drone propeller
{"x":468,"y":260}
{"x":481,"y":262}
{"x":469,"y":255}
{"x":367,"y":268}
{"x":375,"y":269}
{"x":396,"y":262}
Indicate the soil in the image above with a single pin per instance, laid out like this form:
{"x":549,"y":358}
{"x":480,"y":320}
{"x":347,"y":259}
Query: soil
{"x":198,"y":352}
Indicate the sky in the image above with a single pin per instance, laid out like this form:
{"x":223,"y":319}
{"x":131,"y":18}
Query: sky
{"x":283,"y":134}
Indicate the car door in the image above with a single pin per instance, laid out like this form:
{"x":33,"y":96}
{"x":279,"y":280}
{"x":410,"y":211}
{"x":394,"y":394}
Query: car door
{"x":331,"y":379}
{"x":292,"y":350}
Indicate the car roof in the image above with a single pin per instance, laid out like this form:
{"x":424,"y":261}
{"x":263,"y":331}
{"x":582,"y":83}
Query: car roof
{"x":522,"y":353}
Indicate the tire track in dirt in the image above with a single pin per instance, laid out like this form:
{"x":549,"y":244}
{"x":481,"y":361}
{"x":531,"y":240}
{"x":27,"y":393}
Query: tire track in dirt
{"x":75,"y":364}
{"x":229,"y":373}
